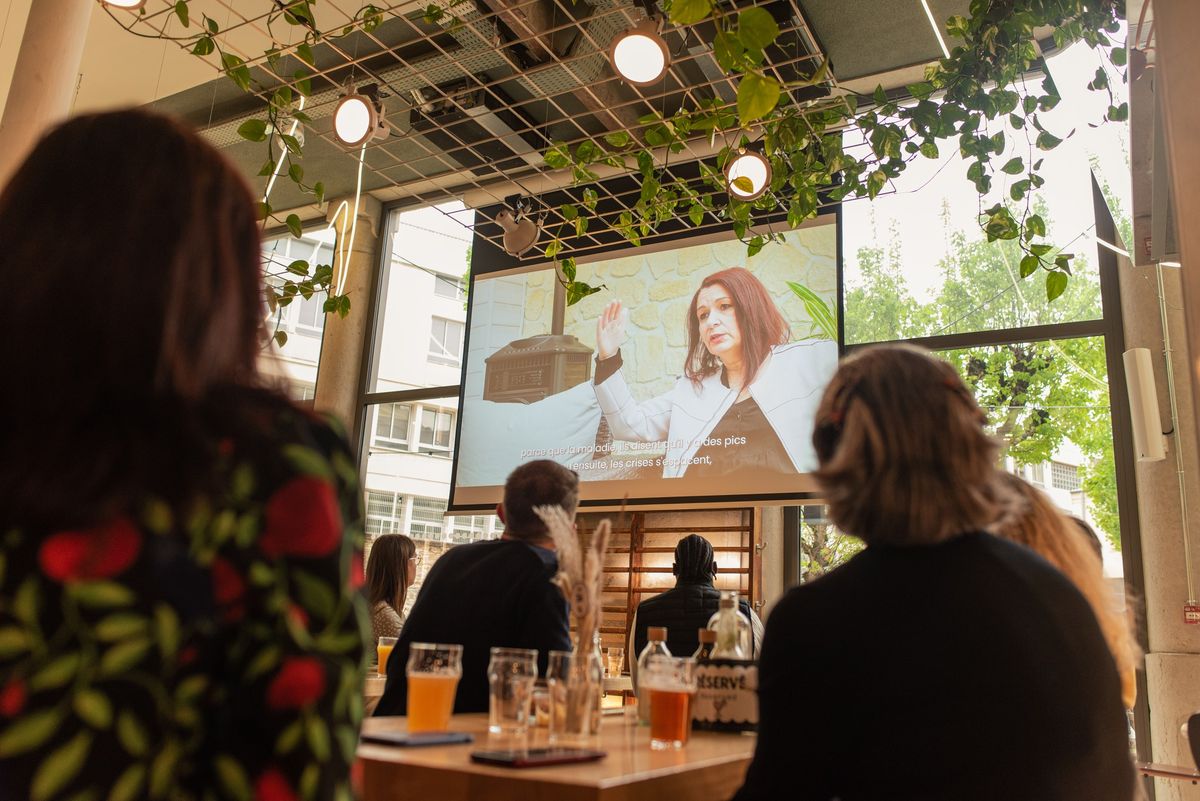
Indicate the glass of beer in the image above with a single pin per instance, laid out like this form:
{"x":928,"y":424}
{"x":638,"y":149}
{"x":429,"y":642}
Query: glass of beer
{"x":670,"y":683}
{"x":383,"y":649}
{"x":511,"y":674}
{"x":433,"y":672}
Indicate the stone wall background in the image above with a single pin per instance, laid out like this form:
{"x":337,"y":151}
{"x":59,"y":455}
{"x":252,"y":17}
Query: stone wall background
{"x":656,"y":289}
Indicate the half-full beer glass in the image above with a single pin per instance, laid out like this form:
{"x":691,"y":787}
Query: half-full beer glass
{"x":670,"y":682}
{"x":433,"y":672}
{"x":511,"y":674}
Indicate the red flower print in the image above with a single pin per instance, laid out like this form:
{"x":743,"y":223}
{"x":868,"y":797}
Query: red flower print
{"x":302,"y":519}
{"x":272,"y":786}
{"x":99,"y":552}
{"x":12,"y":698}
{"x":228,"y":589}
{"x":299,"y":682}
{"x":298,"y":615}
{"x":188,"y":655}
{"x":357,"y":579}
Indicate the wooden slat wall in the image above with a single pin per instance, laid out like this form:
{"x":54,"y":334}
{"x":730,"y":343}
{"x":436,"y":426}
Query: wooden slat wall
{"x":642,"y":551}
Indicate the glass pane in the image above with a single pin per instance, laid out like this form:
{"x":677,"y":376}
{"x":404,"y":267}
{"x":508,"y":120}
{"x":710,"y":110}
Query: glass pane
{"x":917,"y":263}
{"x":421,"y":300}
{"x":301,"y":321}
{"x":823,"y":546}
{"x":406,"y":489}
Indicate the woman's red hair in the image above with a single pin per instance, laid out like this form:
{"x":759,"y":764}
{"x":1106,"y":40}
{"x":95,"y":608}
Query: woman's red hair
{"x":761,"y":325}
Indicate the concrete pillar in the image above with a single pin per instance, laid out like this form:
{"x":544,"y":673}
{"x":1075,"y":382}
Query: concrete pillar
{"x":1173,"y":661}
{"x":44,"y":78}
{"x":339,"y":370}
{"x":771,"y":534}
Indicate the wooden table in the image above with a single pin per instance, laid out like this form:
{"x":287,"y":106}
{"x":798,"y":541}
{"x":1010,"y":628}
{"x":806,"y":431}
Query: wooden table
{"x":711,"y":766}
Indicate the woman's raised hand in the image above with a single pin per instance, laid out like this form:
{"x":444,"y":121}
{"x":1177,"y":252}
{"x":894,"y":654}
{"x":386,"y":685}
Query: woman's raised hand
{"x":610,"y":330}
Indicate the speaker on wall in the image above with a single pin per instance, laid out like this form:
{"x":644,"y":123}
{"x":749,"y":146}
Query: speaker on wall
{"x":1148,"y":439}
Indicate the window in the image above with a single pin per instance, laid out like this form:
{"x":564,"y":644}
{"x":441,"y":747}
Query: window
{"x":1037,"y":474}
{"x":470,"y":529}
{"x":428,"y":517}
{"x":300,"y":320}
{"x":1064,"y":476}
{"x":445,"y":342}
{"x":391,"y":427}
{"x":446,"y":286}
{"x":385,"y":513}
{"x":435,"y":431}
{"x":301,"y":390}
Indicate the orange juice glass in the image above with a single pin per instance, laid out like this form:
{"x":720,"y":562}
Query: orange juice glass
{"x":671,"y":683}
{"x":433,"y":672}
{"x":384,"y":651}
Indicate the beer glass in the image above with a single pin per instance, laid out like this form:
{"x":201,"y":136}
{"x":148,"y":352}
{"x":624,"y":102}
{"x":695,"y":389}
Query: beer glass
{"x":670,"y":682}
{"x":383,"y":650}
{"x":511,"y":674}
{"x":433,"y":672}
{"x":615,"y":657}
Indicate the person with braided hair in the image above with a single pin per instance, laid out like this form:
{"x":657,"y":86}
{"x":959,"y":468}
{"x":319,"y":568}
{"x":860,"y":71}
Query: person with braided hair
{"x":686,"y":608}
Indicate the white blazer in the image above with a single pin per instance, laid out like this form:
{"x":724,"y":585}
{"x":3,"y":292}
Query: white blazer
{"x":787,"y":388}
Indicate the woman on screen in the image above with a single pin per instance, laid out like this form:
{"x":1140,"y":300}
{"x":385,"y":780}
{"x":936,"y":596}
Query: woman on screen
{"x":748,"y":395}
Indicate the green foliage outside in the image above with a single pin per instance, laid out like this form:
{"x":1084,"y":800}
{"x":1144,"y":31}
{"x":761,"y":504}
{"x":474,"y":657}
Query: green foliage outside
{"x":1038,"y":395}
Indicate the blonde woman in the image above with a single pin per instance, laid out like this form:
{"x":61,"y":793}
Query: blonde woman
{"x":1038,"y":525}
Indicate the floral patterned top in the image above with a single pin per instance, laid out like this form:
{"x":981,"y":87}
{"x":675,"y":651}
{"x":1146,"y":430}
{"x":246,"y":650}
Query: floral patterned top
{"x":213,"y":655}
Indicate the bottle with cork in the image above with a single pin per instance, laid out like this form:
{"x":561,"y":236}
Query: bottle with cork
{"x":657,"y":646}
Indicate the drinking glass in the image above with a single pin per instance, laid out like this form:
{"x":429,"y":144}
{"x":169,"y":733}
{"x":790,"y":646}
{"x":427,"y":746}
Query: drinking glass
{"x":615,"y":657}
{"x":433,"y":672}
{"x":511,"y":674}
{"x":670,"y":682}
{"x":383,"y":650}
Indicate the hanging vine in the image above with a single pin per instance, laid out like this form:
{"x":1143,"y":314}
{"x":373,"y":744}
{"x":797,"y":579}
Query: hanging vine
{"x":968,"y":98}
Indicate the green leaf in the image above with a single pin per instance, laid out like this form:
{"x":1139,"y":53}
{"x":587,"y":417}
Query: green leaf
{"x":756,"y":28}
{"x":280,"y":337}
{"x":131,"y":735}
{"x":696,"y":214}
{"x":253,"y":130}
{"x":314,"y":594}
{"x":289,"y":738}
{"x":590,"y":198}
{"x":119,"y":626}
{"x":181,"y":11}
{"x":122,"y":656}
{"x":29,"y":731}
{"x":264,"y":210}
{"x":1118,"y":56}
{"x":294,"y":226}
{"x":929,"y":150}
{"x":618,"y":139}
{"x":757,"y":96}
{"x":25,"y":604}
{"x":305,"y":54}
{"x":921,"y":91}
{"x":232,"y":777}
{"x":94,"y":708}
{"x":1056,"y":284}
{"x":817,"y":308}
{"x":1035,"y":225}
{"x":57,"y":673}
{"x":213,"y":27}
{"x":568,"y":269}
{"x":1047,"y":141}
{"x":754,"y":246}
{"x":303,"y":82}
{"x":308,"y":461}
{"x":743,"y":183}
{"x":875,"y":182}
{"x":101,"y":594}
{"x":162,"y":768}
{"x":129,"y":785}
{"x":266,"y":660}
{"x":166,"y":630}
{"x":727,"y":50}
{"x":291,"y":143}
{"x":296,"y":173}
{"x":1118,"y":113}
{"x":1029,"y":265}
{"x":317,"y":734}
{"x":689,"y":12}
{"x":60,"y":767}
{"x":236,"y":70}
{"x":1013,"y":166}
{"x":298,"y":267}
{"x":204,"y":46}
{"x":319,"y":192}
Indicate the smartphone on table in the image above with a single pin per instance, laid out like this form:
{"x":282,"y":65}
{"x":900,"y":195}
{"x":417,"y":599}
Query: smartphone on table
{"x":536,"y":757}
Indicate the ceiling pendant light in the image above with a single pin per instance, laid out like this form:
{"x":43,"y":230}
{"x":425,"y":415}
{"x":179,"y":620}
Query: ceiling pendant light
{"x":128,"y":5}
{"x":748,"y":174}
{"x":357,"y":118}
{"x":639,"y":54}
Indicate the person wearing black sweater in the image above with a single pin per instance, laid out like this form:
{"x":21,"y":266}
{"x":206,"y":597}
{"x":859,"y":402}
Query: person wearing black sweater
{"x":941,"y":663}
{"x":493,"y":594}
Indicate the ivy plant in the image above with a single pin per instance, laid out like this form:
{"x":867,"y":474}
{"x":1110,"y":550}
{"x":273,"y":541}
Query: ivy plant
{"x":966,"y":100}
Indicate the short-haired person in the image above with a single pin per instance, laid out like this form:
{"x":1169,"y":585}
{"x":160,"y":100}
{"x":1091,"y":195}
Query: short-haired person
{"x":161,"y":503}
{"x":493,"y":594}
{"x":686,"y":608}
{"x":1065,"y":543}
{"x":745,"y":383}
{"x":940,"y":663}
{"x":391,"y":570}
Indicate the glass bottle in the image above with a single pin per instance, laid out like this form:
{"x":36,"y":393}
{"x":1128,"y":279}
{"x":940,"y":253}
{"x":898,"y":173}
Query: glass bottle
{"x":657,"y":646}
{"x":708,"y":639}
{"x":733,"y":631}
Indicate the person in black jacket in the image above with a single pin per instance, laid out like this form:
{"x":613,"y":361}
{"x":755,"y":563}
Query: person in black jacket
{"x":685,"y":609}
{"x":940,"y":663}
{"x":493,"y":594}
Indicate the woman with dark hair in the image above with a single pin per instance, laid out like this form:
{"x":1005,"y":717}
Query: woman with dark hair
{"x":391,"y":570}
{"x":747,"y":396}
{"x":940,"y":663}
{"x":180,"y":541}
